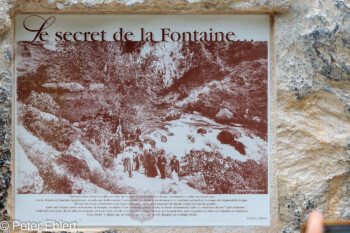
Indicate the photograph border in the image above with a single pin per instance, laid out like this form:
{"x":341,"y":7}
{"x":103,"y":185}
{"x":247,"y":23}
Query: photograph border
{"x":272,"y":94}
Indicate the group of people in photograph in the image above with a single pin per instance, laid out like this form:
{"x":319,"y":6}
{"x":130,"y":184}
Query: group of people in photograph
{"x":152,"y":164}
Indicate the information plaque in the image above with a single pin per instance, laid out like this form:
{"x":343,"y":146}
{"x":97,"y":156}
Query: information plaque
{"x":142,"y":120}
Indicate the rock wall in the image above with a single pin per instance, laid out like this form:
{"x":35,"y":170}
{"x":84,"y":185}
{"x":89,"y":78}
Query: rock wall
{"x":312,"y":44}
{"x":310,"y":100}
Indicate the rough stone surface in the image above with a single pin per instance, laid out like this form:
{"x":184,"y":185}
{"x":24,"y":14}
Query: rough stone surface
{"x":310,"y":101}
{"x":5,"y":106}
{"x":312,"y":147}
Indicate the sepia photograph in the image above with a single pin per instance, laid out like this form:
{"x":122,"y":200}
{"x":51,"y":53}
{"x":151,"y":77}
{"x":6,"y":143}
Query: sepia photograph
{"x":134,"y":117}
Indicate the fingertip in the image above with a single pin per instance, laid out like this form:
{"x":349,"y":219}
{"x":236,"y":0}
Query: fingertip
{"x":315,"y":222}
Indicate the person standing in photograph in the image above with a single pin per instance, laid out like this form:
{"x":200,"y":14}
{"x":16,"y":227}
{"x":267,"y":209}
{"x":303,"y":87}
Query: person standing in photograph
{"x":175,"y":168}
{"x":129,"y":164}
{"x":175,"y":165}
{"x":144,"y":161}
{"x":161,"y":165}
{"x":138,"y":133}
{"x":137,"y":162}
{"x":151,"y":165}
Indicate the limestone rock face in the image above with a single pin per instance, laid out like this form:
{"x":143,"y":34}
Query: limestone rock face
{"x":311,"y":151}
{"x":313,"y":161}
{"x":309,"y":99}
